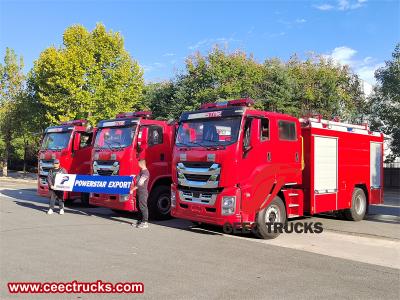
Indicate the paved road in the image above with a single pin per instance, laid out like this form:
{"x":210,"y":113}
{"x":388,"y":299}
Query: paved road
{"x":178,"y":261}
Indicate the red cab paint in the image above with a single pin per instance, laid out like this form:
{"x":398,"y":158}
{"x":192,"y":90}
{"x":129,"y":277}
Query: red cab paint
{"x":119,"y":144}
{"x":231,"y":161}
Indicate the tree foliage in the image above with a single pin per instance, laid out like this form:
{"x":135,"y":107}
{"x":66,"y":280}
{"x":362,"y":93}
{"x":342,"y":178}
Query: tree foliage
{"x":313,"y":86}
{"x":11,"y":90}
{"x":92,"y":76}
{"x":384,"y":108}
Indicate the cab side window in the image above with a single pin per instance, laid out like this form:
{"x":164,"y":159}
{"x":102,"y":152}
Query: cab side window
{"x":287,"y":130}
{"x":264,"y":130}
{"x":155,"y":135}
{"x":85,"y":140}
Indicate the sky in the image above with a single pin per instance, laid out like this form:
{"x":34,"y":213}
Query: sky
{"x":161,"y":34}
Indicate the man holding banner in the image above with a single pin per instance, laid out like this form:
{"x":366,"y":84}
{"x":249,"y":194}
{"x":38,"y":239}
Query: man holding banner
{"x":55,"y":195}
{"x":142,"y":193}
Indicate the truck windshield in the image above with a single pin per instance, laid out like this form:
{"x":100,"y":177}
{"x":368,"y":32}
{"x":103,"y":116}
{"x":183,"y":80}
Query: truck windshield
{"x":56,"y":140}
{"x":114,"y":137}
{"x":208,"y":132}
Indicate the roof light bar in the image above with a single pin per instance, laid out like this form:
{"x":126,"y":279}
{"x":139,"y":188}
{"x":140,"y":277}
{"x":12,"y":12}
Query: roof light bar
{"x":81,"y":122}
{"x":137,"y":114}
{"x":238,"y":102}
{"x":241,"y":102}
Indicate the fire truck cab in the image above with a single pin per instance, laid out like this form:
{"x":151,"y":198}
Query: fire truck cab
{"x":234,"y":164}
{"x":118,"y":146}
{"x":71,"y":143}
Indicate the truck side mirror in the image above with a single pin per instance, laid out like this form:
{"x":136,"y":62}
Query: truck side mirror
{"x":255,"y":132}
{"x":251,"y":134}
{"x":76,"y":141}
{"x":142,"y":139}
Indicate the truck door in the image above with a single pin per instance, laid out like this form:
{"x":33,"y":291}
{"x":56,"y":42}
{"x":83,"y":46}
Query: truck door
{"x":156,"y":152}
{"x":257,"y":163}
{"x":81,"y":153}
{"x":288,"y":151}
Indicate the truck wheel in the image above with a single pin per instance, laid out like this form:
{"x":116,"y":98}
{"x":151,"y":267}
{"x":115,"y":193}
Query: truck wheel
{"x":358,"y":206}
{"x":85,"y":199}
{"x":160,"y":203}
{"x":275,"y":212}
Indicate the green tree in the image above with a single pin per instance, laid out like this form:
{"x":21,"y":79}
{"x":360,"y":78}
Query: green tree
{"x":160,"y":99}
{"x":91,"y":76}
{"x":313,"y":86}
{"x":11,"y":90}
{"x":384,"y":108}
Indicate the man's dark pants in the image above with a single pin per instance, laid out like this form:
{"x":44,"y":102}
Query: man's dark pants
{"x":57,"y":195}
{"x":142,"y":199}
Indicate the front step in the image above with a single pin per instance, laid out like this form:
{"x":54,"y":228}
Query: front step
{"x":293,"y":216}
{"x":294,"y":202}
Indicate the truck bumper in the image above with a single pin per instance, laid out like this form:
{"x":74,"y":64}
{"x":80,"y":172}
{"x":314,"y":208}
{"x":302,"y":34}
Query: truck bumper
{"x":113,"y":201}
{"x":210,"y":214}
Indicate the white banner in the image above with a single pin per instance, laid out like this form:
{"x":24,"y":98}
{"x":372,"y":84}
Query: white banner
{"x":64,"y":182}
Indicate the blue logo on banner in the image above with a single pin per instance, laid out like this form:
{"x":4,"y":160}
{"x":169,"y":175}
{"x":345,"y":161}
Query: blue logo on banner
{"x":102,"y":184}
{"x":64,"y":179}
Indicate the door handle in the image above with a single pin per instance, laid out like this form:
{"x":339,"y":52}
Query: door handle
{"x":269,"y":156}
{"x":162,"y":156}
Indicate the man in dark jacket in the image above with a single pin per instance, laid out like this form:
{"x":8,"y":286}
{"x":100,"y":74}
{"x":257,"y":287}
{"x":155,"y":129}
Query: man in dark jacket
{"x":55,"y":195}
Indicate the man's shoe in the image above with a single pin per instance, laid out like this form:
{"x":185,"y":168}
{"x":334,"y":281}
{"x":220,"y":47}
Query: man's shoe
{"x":143,"y":225}
{"x":50,"y":212}
{"x":61,"y":211}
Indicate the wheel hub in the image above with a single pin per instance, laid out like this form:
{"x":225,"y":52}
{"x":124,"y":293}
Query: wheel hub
{"x":164,"y":204}
{"x":359,"y":204}
{"x":272,"y":214}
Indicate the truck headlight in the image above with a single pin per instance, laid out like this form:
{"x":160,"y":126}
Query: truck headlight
{"x":173,"y":198}
{"x":123,"y":198}
{"x":228,"y":205}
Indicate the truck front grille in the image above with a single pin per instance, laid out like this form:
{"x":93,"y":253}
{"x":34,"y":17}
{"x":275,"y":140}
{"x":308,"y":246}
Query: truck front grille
{"x":198,"y":197}
{"x":197,"y":177}
{"x":198,"y":174}
{"x":44,"y":166}
{"x":197,"y":164}
{"x":105,"y":172}
{"x":105,"y":168}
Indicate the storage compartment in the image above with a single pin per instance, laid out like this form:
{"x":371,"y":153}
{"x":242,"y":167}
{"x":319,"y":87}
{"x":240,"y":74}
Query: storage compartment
{"x":325,"y":164}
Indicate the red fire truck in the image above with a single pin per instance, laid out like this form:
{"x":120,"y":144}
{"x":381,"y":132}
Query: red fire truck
{"x":118,"y":145}
{"x":71,"y":143}
{"x":234,"y":164}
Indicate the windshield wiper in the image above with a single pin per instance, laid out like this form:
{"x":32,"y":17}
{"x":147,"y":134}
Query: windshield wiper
{"x":109,"y":145}
{"x":214,"y":146}
{"x":194,"y":143}
{"x":118,"y":144}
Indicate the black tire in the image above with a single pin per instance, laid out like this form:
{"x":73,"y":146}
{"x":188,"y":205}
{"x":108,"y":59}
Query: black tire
{"x":85,"y":199}
{"x":159,"y":203}
{"x":277,"y":213}
{"x":358,"y":206}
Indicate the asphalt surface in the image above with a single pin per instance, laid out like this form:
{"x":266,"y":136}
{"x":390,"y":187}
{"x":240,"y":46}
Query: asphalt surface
{"x":176,"y":260}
